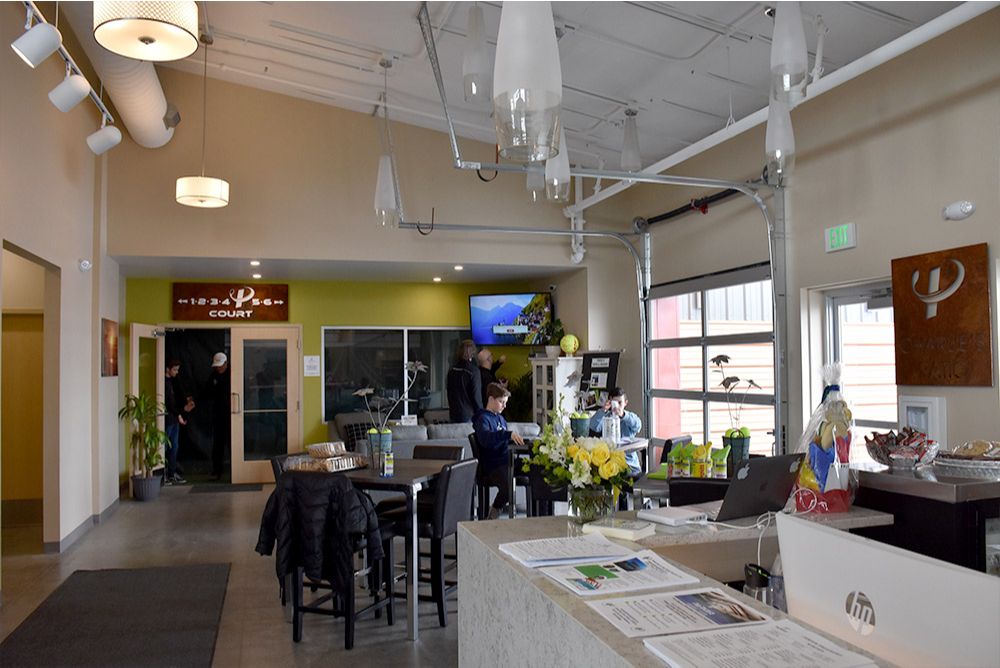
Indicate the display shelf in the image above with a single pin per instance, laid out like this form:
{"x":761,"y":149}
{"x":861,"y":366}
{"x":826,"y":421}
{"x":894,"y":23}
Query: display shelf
{"x":555,"y":382}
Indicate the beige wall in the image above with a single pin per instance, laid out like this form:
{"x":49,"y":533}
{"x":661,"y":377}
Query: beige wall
{"x":23,"y":285}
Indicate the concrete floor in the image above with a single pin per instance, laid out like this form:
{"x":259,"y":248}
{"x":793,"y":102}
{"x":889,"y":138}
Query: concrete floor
{"x":182,"y":528}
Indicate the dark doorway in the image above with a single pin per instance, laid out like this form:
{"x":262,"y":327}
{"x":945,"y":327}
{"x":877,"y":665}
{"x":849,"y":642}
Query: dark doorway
{"x":194,"y":349}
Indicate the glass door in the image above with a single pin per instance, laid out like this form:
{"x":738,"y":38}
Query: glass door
{"x":264,"y":397}
{"x":147,"y":353}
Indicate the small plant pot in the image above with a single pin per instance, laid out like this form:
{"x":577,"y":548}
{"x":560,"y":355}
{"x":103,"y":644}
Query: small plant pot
{"x":145,"y":489}
{"x":552,"y":351}
{"x":579,"y":427}
{"x":739,"y":451}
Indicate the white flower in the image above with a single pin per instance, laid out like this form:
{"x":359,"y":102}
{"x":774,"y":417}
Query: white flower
{"x":580,"y":474}
{"x":364,"y":391}
{"x":589,"y":443}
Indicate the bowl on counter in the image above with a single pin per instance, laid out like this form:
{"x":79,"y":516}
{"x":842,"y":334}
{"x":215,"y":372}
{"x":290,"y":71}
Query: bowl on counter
{"x":903,"y":451}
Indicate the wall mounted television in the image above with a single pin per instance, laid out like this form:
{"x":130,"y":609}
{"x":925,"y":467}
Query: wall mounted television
{"x":520,"y":319}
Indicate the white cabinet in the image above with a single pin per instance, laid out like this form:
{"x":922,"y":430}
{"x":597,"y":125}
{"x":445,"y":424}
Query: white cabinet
{"x":554,"y":380}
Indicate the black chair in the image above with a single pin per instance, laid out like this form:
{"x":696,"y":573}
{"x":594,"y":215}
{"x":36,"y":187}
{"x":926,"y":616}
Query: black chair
{"x":278,"y":467}
{"x":451,"y":453}
{"x":482,"y":500}
{"x":670,"y":443}
{"x":543,"y":496}
{"x":436,"y":523}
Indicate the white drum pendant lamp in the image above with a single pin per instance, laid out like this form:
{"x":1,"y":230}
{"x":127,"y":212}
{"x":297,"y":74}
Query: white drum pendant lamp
{"x":206,"y":192}
{"x":527,"y":83}
{"x":788,"y":54}
{"x":779,"y":140}
{"x":476,"y":60}
{"x":152,"y":31}
{"x":386,"y":212}
{"x":557,"y":173}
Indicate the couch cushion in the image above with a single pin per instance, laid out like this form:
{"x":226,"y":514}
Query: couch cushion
{"x":453,"y":430}
{"x":409,"y":432}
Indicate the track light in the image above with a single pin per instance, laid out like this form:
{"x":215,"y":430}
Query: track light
{"x":631,"y":160}
{"x":106,"y":138}
{"x":70,"y":92}
{"x":151,"y":31}
{"x":38,"y":43}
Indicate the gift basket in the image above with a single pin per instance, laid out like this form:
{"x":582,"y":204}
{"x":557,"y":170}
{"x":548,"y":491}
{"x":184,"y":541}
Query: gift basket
{"x":826,"y":483}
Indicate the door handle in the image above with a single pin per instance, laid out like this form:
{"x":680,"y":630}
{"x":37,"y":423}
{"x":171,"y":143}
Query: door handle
{"x":235,"y":403}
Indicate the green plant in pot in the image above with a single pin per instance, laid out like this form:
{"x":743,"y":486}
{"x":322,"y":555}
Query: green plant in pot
{"x":140,"y":412}
{"x":556,"y":333}
{"x":737,"y":437}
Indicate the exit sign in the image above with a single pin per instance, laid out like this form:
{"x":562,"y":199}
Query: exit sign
{"x":840,"y":237}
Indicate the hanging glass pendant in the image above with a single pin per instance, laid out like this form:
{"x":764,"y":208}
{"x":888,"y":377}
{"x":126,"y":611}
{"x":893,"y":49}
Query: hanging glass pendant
{"x":631,"y":161}
{"x":557,"y":173}
{"x":476,"y":61}
{"x":779,"y":141}
{"x":386,"y":213}
{"x":527,"y":83}
{"x":788,"y":54}
{"x":535,"y":184}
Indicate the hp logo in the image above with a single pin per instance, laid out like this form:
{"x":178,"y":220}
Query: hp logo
{"x":860,"y":612}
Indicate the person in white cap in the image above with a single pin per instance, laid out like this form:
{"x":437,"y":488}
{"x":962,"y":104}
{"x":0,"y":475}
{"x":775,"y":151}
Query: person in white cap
{"x":218,"y":383}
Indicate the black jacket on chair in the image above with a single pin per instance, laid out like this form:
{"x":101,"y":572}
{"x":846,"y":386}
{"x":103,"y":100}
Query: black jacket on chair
{"x":315,"y":520}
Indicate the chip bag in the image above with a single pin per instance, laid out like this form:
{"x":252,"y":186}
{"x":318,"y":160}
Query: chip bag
{"x":826,"y":483}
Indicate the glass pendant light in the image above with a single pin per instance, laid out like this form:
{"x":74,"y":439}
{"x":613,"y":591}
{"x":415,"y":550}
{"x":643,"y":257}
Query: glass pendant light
{"x":388,"y":207}
{"x":779,"y":140}
{"x":788,"y":54}
{"x":557,"y":173}
{"x":535,"y":183}
{"x":476,"y":61}
{"x":206,"y":192}
{"x":527,"y":83}
{"x":631,"y":161}
{"x":151,"y":31}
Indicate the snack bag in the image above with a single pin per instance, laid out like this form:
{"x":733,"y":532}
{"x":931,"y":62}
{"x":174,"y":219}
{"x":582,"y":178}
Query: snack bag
{"x":826,"y":483}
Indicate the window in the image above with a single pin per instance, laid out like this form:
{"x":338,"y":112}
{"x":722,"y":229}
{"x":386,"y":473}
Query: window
{"x":860,"y":335}
{"x":354,"y":358}
{"x":691,"y":322}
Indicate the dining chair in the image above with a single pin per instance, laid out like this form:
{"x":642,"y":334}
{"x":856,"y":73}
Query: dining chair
{"x":482,"y":488}
{"x":543,"y":496}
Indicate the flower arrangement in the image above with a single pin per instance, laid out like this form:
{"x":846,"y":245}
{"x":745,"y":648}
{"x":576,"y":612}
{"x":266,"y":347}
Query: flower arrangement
{"x":734,"y":403}
{"x":376,"y":404}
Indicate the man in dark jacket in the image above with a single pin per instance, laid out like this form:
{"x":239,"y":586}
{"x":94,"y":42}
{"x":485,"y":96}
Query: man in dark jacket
{"x":464,"y":385}
{"x":488,"y":370}
{"x":494,"y":438}
{"x":174,"y":415}
{"x":219,"y":391}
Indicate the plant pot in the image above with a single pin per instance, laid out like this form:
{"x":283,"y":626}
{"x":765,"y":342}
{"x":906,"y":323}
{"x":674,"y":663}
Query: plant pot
{"x":579,"y":427}
{"x":587,"y":504}
{"x":552,"y":351}
{"x":145,"y":489}
{"x":379,"y":444}
{"x":739,"y":451}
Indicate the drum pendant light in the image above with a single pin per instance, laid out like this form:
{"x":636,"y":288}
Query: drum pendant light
{"x":153,"y":31}
{"x":527,"y":83}
{"x":206,"y":192}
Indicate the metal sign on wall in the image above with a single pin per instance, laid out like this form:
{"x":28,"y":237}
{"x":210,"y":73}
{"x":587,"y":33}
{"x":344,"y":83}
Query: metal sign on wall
{"x":230,"y":301}
{"x":941,"y":309}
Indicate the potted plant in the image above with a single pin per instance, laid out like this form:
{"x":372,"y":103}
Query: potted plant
{"x":144,"y":443}
{"x":737,"y":436}
{"x":556,"y":333}
{"x":379,"y":434}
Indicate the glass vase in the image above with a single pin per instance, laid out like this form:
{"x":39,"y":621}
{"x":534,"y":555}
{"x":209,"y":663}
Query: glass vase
{"x":587,"y":504}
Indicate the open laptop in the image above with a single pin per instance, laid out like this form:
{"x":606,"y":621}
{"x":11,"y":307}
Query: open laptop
{"x":760,"y":485}
{"x":900,"y":606}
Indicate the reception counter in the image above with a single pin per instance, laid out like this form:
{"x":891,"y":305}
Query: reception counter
{"x":510,"y":615}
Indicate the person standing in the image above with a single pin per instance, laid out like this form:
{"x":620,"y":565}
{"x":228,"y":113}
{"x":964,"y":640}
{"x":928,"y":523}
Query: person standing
{"x":464,"y":384}
{"x":631,"y":424}
{"x":219,"y":391}
{"x":494,"y":438}
{"x":488,"y":370}
{"x":173,"y":418}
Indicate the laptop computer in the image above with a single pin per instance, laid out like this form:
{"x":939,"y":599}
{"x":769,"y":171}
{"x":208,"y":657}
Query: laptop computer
{"x":760,"y":485}
{"x":900,"y":606}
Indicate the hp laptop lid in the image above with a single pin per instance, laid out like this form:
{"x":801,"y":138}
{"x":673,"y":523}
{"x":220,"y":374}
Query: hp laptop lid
{"x":900,"y":606}
{"x":760,"y":485}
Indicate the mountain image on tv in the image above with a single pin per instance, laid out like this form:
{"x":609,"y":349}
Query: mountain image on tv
{"x":511,"y":320}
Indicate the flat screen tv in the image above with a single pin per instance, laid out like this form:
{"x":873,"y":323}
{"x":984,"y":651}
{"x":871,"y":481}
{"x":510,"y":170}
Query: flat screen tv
{"x":523,"y":319}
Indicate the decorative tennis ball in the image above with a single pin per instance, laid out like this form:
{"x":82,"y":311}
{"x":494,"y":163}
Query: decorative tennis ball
{"x":569,"y":344}
{"x":745,"y":432}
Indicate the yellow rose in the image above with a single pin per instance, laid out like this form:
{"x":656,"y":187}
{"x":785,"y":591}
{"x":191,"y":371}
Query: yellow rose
{"x":618,"y":457}
{"x":571,"y":451}
{"x":608,"y":469}
{"x":583,"y":457}
{"x":600,"y":454}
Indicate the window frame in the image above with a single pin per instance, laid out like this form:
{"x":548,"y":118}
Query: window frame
{"x":699,"y":286}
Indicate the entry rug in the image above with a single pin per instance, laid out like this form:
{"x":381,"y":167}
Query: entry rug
{"x":212,"y":488}
{"x":130,"y":617}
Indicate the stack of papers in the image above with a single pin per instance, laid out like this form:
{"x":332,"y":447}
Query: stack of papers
{"x":561,"y":551}
{"x":635,"y":572}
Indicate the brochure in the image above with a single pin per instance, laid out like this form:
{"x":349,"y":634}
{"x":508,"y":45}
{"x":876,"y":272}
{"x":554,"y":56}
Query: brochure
{"x":782,"y":644}
{"x":635,"y":572}
{"x":614,"y":527}
{"x":556,"y":551}
{"x":676,"y":612}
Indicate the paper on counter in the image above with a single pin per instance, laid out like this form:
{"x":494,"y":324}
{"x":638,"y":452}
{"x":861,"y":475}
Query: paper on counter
{"x":561,"y":551}
{"x":676,"y":612}
{"x":635,"y":572}
{"x":782,"y":644}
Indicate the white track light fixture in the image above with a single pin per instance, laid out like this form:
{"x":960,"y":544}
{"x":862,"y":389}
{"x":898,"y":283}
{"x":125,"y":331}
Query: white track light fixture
{"x":527,"y":83}
{"x":70,"y":92}
{"x":476,"y":60}
{"x":789,"y":62}
{"x":631,"y":160}
{"x":151,"y":31}
{"x":206,"y":192}
{"x":38,"y":43}
{"x":535,"y":183}
{"x":557,"y":173}
{"x":779,"y":141}
{"x":107,"y":137}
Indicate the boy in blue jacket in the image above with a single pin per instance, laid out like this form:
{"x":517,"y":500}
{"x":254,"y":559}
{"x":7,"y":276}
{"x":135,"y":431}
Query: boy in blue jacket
{"x":493,"y":437}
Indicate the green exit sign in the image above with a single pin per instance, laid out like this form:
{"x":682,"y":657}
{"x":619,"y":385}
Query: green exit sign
{"x":841,"y":237}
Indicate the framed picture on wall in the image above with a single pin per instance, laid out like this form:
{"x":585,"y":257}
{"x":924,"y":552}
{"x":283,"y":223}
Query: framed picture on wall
{"x":926,"y":414}
{"x":109,"y":347}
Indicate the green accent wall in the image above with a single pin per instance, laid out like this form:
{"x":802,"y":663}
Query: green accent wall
{"x":314,"y":304}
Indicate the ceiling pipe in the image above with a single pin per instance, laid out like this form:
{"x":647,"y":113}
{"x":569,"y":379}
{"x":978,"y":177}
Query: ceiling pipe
{"x":911,"y":40}
{"x":694,"y":205}
{"x":132,"y":85}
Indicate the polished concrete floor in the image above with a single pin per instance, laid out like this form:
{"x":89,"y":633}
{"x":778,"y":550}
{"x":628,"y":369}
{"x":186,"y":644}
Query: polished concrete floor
{"x":183,"y":528}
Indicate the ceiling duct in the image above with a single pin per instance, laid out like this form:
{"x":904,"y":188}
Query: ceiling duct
{"x":132,"y":85}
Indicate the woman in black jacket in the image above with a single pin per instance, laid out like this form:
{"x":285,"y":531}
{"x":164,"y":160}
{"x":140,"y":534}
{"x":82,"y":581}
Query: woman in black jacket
{"x":465,"y":394}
